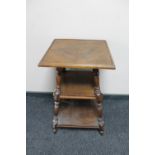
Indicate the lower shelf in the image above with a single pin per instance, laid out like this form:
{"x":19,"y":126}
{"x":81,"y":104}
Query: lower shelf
{"x":81,"y":114}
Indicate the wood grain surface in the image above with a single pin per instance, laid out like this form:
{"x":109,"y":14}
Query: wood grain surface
{"x":76,"y":53}
{"x":78,"y":115}
{"x":77,"y":85}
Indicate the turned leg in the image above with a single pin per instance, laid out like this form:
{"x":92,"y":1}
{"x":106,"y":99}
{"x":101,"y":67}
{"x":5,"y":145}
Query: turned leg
{"x":100,"y":112}
{"x":56,"y":108}
{"x":56,"y":95}
{"x":99,"y":100}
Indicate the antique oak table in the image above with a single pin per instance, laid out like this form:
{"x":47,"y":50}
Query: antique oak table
{"x":77,"y":63}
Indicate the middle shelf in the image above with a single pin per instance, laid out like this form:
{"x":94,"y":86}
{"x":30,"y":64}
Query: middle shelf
{"x":77,"y":85}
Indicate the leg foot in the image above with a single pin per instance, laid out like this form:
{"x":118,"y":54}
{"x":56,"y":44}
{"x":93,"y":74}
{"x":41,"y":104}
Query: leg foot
{"x":55,"y":121}
{"x":101,"y":126}
{"x":54,"y":130}
{"x":101,"y":132}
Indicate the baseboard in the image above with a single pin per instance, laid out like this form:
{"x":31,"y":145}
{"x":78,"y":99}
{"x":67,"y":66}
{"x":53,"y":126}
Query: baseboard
{"x":106,"y":96}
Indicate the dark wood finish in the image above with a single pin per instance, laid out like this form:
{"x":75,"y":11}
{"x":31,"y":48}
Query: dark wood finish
{"x":77,"y":85}
{"x":75,"y":53}
{"x":74,"y":84}
{"x":81,"y":114}
{"x":56,"y":95}
{"x":99,"y":100}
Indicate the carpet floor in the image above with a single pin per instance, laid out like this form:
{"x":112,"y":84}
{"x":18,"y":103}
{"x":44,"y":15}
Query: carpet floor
{"x":40,"y":139}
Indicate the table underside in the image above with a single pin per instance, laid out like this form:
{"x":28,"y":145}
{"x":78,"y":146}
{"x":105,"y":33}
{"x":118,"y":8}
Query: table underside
{"x":78,"y":100}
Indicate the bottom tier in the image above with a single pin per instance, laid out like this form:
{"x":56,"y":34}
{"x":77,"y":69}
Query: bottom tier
{"x":76,"y":114}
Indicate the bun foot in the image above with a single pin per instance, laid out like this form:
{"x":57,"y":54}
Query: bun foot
{"x":101,"y":132}
{"x":54,"y":130}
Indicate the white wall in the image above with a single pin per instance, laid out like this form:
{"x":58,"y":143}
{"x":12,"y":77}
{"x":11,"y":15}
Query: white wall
{"x":84,"y":19}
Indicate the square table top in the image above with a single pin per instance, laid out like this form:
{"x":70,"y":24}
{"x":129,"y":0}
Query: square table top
{"x":76,"y":53}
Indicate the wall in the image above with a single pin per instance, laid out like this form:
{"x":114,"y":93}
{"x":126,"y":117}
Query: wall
{"x":83,"y":19}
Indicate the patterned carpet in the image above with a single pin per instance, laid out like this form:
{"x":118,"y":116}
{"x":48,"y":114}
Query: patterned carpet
{"x":42,"y":141}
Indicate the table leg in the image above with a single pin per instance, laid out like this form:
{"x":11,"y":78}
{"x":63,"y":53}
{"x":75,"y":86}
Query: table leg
{"x":56,"y":95}
{"x":99,"y":100}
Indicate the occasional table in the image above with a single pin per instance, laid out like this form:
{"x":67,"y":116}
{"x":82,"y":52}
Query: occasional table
{"x":77,"y":81}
